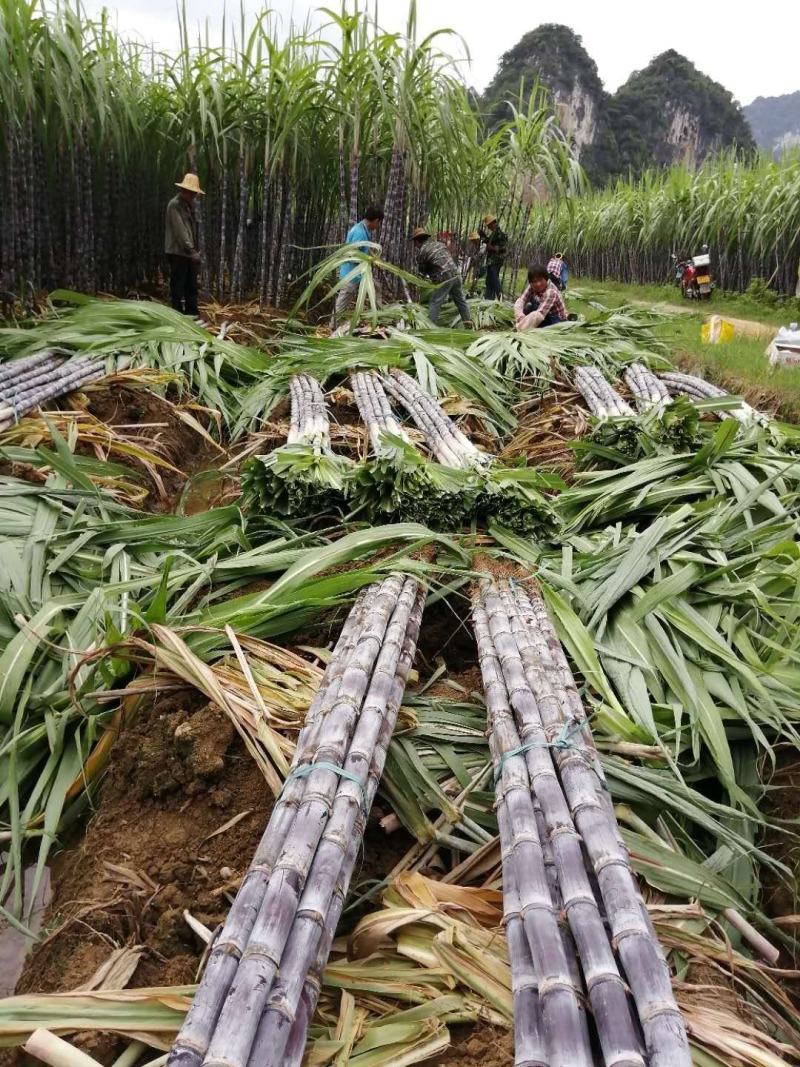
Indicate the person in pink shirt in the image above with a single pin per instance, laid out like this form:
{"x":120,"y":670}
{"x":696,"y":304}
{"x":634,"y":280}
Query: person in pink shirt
{"x":541,"y":304}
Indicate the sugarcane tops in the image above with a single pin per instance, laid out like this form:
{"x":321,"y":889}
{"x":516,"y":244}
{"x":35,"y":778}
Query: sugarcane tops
{"x":434,"y":261}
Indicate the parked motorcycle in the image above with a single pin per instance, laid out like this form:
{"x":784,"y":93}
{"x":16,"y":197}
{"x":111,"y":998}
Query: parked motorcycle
{"x":693,"y":276}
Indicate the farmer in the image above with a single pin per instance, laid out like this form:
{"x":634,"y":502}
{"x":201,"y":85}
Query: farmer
{"x":435,"y":262}
{"x":180,"y":245}
{"x":496,"y":249}
{"x":361,"y":235}
{"x":558,"y":271}
{"x":541,"y":304}
{"x":472,"y":270}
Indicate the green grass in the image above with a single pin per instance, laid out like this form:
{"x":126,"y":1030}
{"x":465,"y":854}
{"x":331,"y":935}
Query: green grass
{"x":737,"y":305}
{"x":742,"y":360}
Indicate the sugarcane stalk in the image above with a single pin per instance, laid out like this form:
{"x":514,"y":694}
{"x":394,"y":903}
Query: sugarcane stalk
{"x":192,"y":1042}
{"x":238,"y":1021}
{"x":435,"y":433}
{"x":604,"y":984}
{"x":428,"y":415}
{"x":335,"y":858}
{"x":560,"y":1011}
{"x":12,"y":413}
{"x":312,"y":987}
{"x":638,"y":948}
{"x":14,"y":368}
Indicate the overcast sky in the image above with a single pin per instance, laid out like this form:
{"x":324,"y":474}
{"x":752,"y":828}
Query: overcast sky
{"x":752,"y":49}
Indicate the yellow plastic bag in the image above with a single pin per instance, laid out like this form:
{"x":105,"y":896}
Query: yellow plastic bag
{"x":716,"y":331}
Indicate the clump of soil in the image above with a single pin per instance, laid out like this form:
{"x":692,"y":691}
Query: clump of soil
{"x":151,"y":419}
{"x":478,"y":1046}
{"x":177,"y":774}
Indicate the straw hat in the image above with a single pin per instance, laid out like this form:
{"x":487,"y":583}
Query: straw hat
{"x":192,"y":183}
{"x":420,"y":231}
{"x":474,"y":236}
{"x":489,"y":219}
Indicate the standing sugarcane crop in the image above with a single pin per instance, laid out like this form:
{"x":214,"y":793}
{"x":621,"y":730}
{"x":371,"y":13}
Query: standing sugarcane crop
{"x":241,"y":1013}
{"x":192,"y":1042}
{"x":638,"y":949}
{"x":526,"y":737}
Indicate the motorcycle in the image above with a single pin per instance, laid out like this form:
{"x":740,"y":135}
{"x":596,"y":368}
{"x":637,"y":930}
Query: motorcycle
{"x":693,"y":276}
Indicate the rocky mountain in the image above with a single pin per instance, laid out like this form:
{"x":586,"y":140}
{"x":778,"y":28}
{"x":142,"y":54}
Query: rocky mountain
{"x":667,"y":113}
{"x":775,"y":121}
{"x":553,"y":56}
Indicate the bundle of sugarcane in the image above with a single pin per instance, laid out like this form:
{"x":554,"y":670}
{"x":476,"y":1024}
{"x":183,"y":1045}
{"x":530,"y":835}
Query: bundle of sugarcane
{"x":698,"y":389}
{"x":511,"y":496}
{"x":48,"y":378}
{"x":19,"y":369}
{"x":648,"y":390}
{"x":251,"y":999}
{"x":305,"y":475}
{"x":604,"y":401}
{"x":397,"y":480}
{"x":446,"y":441}
{"x":544,"y":756}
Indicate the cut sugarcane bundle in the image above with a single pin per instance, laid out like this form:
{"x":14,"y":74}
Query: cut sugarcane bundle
{"x":647,"y":389}
{"x":375,"y":410}
{"x":293,"y":891}
{"x":304,"y":475}
{"x":604,"y":401}
{"x":192,"y":1041}
{"x":446,"y":441}
{"x":699,"y":389}
{"x":397,"y":480}
{"x":562,"y":1033}
{"x":549,"y":748}
{"x":460,"y":483}
{"x":284,"y":1025}
{"x":65,"y":379}
{"x":18,"y":369}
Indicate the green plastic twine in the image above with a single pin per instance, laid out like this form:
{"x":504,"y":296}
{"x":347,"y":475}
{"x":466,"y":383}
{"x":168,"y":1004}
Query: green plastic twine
{"x":304,"y":769}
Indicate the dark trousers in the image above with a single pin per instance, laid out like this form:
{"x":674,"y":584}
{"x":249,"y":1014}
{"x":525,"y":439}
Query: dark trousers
{"x":449,"y":290}
{"x":183,"y":284}
{"x":550,"y":319}
{"x":493,"y":288}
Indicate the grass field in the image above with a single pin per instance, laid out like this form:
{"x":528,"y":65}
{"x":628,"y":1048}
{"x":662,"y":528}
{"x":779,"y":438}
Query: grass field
{"x":741,"y":360}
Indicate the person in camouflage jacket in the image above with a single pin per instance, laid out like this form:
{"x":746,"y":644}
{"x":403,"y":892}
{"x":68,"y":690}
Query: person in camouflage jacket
{"x":496,"y":251}
{"x":435,"y":262}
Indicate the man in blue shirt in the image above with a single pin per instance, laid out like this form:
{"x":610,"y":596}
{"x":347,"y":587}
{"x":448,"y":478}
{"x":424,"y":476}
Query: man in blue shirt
{"x":361,"y":234}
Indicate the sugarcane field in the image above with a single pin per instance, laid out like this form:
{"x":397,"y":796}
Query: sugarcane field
{"x":399,"y":552}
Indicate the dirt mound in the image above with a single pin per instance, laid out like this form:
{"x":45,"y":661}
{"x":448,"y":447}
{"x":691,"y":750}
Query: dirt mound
{"x":178,"y":775}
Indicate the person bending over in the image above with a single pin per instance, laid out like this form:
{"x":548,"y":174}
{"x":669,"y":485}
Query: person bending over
{"x":541,"y":304}
{"x":435,"y":262}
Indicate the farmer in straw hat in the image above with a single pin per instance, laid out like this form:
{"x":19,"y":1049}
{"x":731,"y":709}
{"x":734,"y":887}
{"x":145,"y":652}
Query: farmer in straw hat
{"x":180,"y":245}
{"x":435,"y":262}
{"x":496,"y":249}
